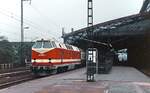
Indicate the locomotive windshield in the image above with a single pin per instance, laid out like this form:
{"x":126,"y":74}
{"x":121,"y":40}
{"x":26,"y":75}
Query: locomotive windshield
{"x":44,"y":44}
{"x":38,"y":44}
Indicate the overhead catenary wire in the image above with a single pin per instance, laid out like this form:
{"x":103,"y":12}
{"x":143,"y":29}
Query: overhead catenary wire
{"x":26,"y":21}
{"x":37,"y":11}
{"x":46,"y":18}
{"x":32,"y":24}
{"x":18,"y":20}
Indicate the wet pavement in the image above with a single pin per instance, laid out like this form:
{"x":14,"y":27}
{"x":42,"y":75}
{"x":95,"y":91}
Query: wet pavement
{"x":74,"y":88}
{"x":120,"y":80}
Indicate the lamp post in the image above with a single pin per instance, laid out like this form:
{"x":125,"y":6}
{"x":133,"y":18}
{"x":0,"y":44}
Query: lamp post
{"x":22,"y":33}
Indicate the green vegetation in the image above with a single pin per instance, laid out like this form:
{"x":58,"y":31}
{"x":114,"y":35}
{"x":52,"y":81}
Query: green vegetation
{"x":10,"y":51}
{"x":6,"y":51}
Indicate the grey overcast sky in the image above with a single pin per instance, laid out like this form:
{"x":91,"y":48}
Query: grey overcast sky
{"x":45,"y":18}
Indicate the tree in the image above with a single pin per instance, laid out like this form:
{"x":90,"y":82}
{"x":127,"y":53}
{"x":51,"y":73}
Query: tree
{"x":6,"y":51}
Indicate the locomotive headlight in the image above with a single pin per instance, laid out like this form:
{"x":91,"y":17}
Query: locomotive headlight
{"x":49,"y":60}
{"x":34,"y":60}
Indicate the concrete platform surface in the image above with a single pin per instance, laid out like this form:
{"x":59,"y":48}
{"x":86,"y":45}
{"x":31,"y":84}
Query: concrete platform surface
{"x":120,"y":80}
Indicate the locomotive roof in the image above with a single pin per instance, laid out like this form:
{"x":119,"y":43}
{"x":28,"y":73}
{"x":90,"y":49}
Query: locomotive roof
{"x":55,"y":44}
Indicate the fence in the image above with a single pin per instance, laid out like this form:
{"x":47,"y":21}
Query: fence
{"x":6,"y":66}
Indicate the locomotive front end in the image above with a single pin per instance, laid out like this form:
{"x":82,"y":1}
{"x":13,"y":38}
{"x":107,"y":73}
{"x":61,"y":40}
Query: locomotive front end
{"x":41,"y":57}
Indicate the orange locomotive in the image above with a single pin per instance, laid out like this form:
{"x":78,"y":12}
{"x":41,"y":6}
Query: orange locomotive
{"x":49,"y":56}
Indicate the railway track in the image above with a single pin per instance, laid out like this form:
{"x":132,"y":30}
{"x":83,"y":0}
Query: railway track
{"x":13,"y":73}
{"x":12,"y":78}
{"x":12,"y":70}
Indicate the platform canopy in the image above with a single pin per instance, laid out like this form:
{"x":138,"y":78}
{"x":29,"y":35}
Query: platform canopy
{"x":146,"y":6}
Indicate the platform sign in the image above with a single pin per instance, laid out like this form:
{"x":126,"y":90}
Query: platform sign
{"x":91,"y":63}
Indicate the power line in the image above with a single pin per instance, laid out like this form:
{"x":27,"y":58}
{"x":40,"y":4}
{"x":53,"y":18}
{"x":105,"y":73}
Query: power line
{"x":17,"y":18}
{"x":44,"y":16}
{"x":27,"y":23}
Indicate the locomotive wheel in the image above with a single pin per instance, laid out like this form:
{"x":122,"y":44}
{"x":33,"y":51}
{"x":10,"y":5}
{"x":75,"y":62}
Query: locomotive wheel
{"x":65,"y":68}
{"x":54,"y":71}
{"x":59,"y":70}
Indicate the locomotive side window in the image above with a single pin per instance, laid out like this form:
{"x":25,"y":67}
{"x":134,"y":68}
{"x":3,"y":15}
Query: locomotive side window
{"x":47,"y":44}
{"x":38,"y":45}
{"x":53,"y":43}
{"x":66,"y":46}
{"x":75,"y":49}
{"x":69,"y":47}
{"x":59,"y":45}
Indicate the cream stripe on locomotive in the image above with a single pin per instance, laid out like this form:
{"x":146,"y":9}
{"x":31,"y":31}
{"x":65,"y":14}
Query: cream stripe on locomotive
{"x":68,"y":60}
{"x":55,"y":60}
{"x":42,"y":50}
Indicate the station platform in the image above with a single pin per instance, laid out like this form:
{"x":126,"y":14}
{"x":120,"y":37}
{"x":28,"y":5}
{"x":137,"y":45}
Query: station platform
{"x":119,"y":80}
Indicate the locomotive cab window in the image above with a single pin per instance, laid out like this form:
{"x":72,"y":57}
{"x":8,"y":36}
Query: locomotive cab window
{"x":69,"y":47}
{"x":38,"y":45}
{"x":53,"y":43}
{"x":59,"y":45}
{"x":47,"y":44}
